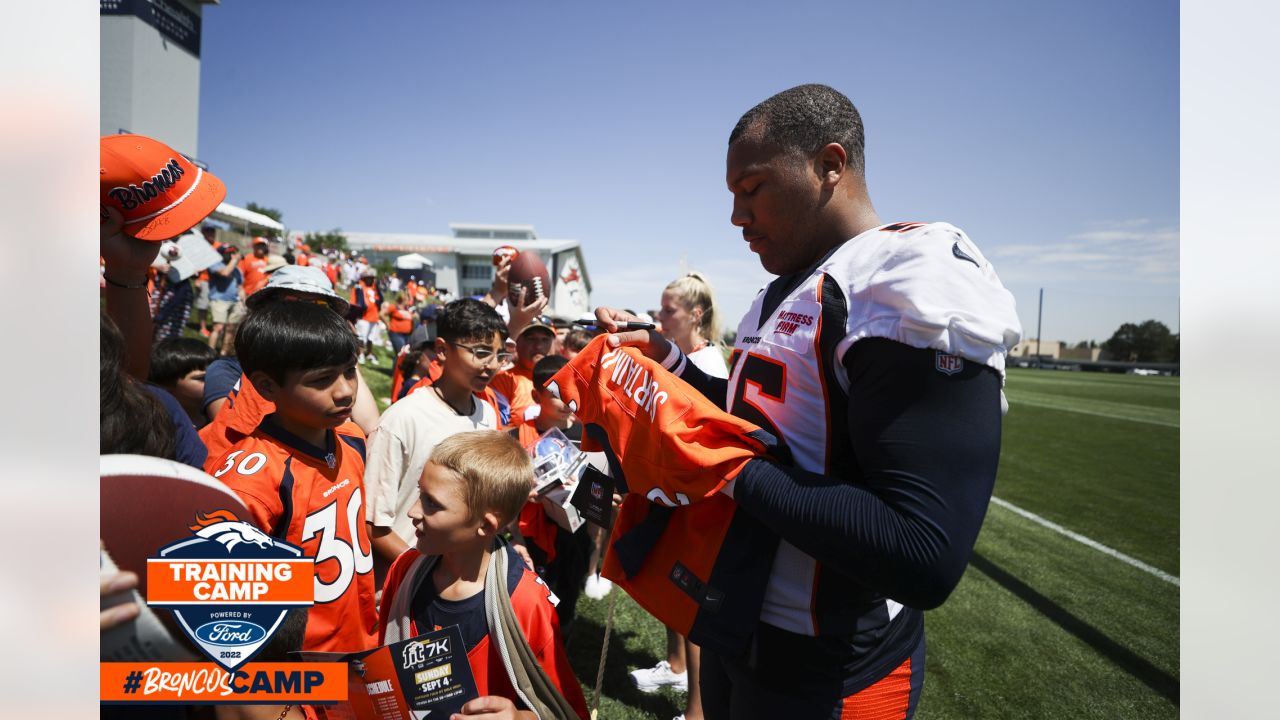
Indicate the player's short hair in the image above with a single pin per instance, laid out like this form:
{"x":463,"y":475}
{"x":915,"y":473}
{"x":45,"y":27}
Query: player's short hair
{"x":279,"y":338}
{"x":544,"y":369}
{"x":496,"y":472}
{"x":577,"y":339}
{"x":693,"y":290}
{"x":469,"y":319}
{"x":805,"y":119}
{"x":172,"y":358}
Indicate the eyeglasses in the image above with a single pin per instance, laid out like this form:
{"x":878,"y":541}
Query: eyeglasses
{"x":483,"y":354}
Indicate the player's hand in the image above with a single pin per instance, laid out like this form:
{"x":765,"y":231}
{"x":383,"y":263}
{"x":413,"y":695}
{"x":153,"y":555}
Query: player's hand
{"x":653,"y":345}
{"x":492,"y":707}
{"x":522,"y":314}
{"x":125,"y":611}
{"x":127,"y":259}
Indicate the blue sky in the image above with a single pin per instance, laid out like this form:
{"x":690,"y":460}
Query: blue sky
{"x":1047,"y":131}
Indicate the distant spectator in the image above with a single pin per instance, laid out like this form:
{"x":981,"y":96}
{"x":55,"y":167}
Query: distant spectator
{"x":225,"y":304}
{"x":398,"y":315}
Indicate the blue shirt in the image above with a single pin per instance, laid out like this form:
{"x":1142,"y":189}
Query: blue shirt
{"x":188,"y":449}
{"x":224,"y":288}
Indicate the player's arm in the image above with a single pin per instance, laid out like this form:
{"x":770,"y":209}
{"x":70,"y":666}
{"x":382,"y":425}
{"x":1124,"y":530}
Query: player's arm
{"x":927,"y":445}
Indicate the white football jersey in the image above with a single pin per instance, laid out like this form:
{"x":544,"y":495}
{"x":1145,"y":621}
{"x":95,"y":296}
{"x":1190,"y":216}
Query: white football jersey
{"x":924,"y":285}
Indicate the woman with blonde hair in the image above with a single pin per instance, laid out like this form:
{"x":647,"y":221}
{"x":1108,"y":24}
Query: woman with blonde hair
{"x":691,"y":320}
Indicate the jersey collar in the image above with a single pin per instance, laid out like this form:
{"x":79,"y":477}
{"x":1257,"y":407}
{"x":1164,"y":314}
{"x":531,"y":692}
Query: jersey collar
{"x":327,"y":454}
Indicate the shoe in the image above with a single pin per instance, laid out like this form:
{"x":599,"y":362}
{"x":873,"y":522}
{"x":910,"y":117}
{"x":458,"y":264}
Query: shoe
{"x":678,"y":717}
{"x":597,"y":587}
{"x":660,"y":675}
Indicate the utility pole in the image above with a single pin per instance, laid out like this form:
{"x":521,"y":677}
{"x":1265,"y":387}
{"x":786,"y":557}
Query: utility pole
{"x":1039,"y":319}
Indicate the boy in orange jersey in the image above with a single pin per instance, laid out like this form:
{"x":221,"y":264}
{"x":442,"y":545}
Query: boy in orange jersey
{"x":461,"y":573}
{"x":366,"y":302}
{"x":301,"y":471}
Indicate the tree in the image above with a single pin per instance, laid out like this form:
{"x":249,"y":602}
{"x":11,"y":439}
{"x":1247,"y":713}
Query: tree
{"x":1150,"y":341}
{"x":272,"y":213}
{"x":332,"y":240}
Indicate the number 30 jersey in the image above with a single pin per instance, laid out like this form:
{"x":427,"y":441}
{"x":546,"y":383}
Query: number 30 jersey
{"x":313,"y":497}
{"x":923,"y":285}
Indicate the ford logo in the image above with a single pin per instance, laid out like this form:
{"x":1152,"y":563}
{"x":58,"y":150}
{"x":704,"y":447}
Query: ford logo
{"x":230,"y":633}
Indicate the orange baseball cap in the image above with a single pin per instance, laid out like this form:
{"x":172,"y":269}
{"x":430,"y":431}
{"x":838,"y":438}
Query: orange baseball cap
{"x":160,"y":193}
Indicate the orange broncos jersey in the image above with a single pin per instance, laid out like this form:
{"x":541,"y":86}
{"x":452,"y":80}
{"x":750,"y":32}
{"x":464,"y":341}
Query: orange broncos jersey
{"x":237,"y":419}
{"x":516,"y":385}
{"x":676,"y":547}
{"x":313,"y":497}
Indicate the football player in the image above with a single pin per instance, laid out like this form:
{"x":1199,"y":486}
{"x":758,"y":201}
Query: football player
{"x":877,"y":358}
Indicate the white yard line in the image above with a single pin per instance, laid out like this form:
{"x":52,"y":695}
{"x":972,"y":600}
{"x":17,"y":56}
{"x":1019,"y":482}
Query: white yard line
{"x":1015,"y":401}
{"x":1087,"y":541}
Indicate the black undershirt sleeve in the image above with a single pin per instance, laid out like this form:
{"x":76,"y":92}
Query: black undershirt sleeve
{"x":926,"y":445}
{"x":712,"y":387}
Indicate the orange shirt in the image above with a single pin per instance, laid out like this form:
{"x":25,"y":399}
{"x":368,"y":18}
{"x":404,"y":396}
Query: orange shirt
{"x":401,"y":318}
{"x":370,"y":300}
{"x":516,"y":385}
{"x":535,"y":525}
{"x":254,"y":278}
{"x":237,"y":419}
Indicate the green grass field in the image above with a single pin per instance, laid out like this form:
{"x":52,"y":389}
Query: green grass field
{"x":1041,"y":626}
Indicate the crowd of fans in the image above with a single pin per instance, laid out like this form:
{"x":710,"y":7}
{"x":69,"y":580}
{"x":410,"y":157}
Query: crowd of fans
{"x":265,"y":352}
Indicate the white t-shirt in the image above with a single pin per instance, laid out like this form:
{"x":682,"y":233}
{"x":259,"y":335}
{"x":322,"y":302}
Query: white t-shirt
{"x":710,"y":361}
{"x":399,"y":448}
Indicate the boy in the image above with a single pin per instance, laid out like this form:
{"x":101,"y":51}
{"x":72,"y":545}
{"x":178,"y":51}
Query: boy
{"x":561,"y":557}
{"x":178,"y":365}
{"x":469,"y":348}
{"x":471,"y":488}
{"x":301,"y":471}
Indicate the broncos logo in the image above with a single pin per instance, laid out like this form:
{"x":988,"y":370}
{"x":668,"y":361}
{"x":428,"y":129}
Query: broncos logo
{"x":223,"y":527}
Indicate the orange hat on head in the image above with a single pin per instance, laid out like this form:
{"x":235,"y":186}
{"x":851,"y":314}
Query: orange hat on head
{"x":261,"y":241}
{"x":160,"y":193}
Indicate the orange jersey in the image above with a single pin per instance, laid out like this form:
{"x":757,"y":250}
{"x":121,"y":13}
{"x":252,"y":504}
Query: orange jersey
{"x":516,"y":385}
{"x":369,"y":293}
{"x":675,"y":547}
{"x":254,"y":278}
{"x":237,"y":419}
{"x":434,"y":369}
{"x":313,"y":497}
{"x":401,"y":318}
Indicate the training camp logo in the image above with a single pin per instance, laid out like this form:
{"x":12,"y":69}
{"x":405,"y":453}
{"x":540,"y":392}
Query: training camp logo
{"x":229,"y":585}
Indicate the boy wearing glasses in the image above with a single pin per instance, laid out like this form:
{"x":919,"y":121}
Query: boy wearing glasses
{"x":469,"y":347}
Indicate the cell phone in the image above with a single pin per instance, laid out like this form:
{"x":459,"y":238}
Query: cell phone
{"x":624,"y":325}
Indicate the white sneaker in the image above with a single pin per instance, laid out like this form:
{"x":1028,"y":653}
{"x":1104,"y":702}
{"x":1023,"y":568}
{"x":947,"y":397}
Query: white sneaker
{"x":660,"y":675}
{"x":597,"y":587}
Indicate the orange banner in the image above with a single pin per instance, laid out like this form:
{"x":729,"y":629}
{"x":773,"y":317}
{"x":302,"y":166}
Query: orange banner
{"x":234,"y":582}
{"x":135,"y":682}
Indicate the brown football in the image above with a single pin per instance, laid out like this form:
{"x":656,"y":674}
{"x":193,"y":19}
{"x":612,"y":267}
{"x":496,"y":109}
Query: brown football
{"x":528,"y":271}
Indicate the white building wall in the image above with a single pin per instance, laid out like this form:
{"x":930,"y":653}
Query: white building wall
{"x":150,"y":86}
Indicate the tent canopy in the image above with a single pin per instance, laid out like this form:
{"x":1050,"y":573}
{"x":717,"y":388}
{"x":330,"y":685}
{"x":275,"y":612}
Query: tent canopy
{"x":240,"y":217}
{"x":413,"y":261}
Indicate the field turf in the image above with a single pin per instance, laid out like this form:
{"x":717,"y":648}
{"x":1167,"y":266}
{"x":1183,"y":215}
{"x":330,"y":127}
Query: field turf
{"x":1041,"y":626}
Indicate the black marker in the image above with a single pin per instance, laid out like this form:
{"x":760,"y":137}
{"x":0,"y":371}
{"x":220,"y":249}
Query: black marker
{"x":622,"y":325}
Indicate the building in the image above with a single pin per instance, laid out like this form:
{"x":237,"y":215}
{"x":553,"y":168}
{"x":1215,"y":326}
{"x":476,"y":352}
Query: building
{"x":150,"y":70}
{"x":1053,"y":349}
{"x":463,"y":261}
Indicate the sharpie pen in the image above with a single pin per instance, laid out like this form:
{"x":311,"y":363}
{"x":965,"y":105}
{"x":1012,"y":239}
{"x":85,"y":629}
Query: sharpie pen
{"x":622,"y":326}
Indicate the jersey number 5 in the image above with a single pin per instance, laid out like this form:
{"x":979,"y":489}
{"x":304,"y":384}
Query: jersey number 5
{"x":760,"y":377}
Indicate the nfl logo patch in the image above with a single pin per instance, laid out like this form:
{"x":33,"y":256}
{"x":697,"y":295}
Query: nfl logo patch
{"x":948,"y":364}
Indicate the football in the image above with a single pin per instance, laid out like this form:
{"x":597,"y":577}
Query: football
{"x":528,"y":271}
{"x":150,"y":502}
